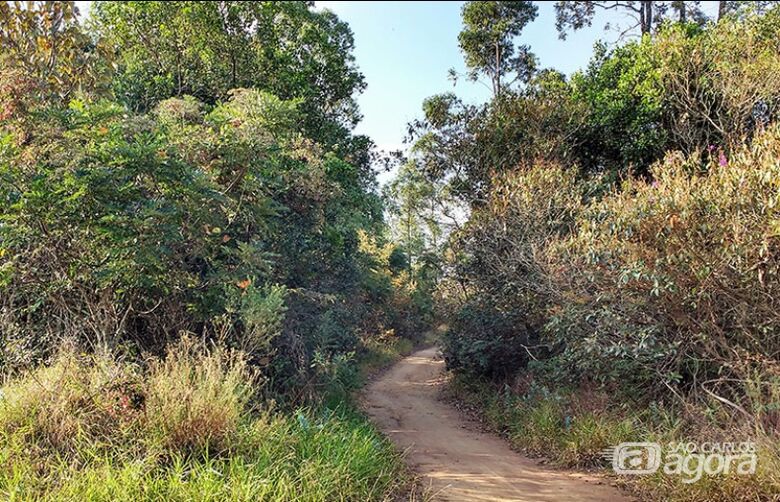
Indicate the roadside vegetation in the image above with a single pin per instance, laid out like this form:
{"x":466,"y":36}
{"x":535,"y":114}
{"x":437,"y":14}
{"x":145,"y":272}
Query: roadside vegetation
{"x":198,"y":267}
{"x":616,"y":275}
{"x":195,"y":268}
{"x":183,"y":427}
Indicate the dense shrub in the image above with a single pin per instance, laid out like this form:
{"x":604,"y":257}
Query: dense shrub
{"x":679,"y":276}
{"x":623,"y":104}
{"x":484,"y":340}
{"x":236,"y":216}
{"x":502,"y":259}
{"x":106,"y":232}
{"x":670,"y":282}
{"x":659,"y":273}
{"x":121,"y":229}
{"x":719,"y":85}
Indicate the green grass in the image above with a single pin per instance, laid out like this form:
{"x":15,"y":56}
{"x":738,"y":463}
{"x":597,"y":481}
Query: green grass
{"x":312,"y":456}
{"x":571,"y":428}
{"x":547,"y":425}
{"x":377,"y":355}
{"x":185,"y":428}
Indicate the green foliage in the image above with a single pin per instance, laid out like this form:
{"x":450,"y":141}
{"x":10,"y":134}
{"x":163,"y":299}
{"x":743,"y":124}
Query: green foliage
{"x":487,"y":40}
{"x":500,"y":258}
{"x":99,"y":428}
{"x":662,"y":281}
{"x":482,"y":340}
{"x":646,"y":16}
{"x":102,"y":216}
{"x":127,"y":230}
{"x":407,"y":292}
{"x":262,"y":314}
{"x":47,"y":56}
{"x":288,"y":49}
{"x":677,"y":275}
{"x":623,"y":129}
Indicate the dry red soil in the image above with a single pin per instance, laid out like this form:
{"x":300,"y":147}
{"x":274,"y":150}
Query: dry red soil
{"x":456,"y":460}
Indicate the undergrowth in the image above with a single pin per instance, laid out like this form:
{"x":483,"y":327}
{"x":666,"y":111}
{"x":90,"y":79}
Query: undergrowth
{"x":184,"y":427}
{"x":573,"y":427}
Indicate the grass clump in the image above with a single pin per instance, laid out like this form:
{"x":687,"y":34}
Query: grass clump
{"x":195,"y":407}
{"x":571,"y":431}
{"x":573,"y":427}
{"x":183,"y":427}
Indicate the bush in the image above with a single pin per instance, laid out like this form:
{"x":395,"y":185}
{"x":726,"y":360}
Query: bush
{"x":720,"y":85}
{"x":482,"y":340}
{"x":126,"y":230}
{"x":622,"y":101}
{"x":502,"y":260}
{"x":660,"y":283}
{"x":678,"y":276}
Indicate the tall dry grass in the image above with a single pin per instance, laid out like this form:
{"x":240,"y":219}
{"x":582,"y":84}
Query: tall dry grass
{"x":183,"y":427}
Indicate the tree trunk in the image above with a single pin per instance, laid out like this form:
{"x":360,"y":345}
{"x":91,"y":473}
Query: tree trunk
{"x":497,"y":74}
{"x":721,"y":9}
{"x":646,"y":16}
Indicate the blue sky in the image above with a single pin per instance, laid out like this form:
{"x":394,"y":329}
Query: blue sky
{"x":405,"y":49}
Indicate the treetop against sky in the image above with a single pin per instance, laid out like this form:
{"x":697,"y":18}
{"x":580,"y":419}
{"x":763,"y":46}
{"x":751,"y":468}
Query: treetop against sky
{"x":406,"y":49}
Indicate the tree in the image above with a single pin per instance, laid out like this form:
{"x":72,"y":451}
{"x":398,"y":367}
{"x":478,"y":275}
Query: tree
{"x":579,"y":14}
{"x":647,"y":14}
{"x":742,"y":8}
{"x":487,"y":41}
{"x":420,"y":209}
{"x":680,"y":11}
{"x":205,"y":49}
{"x":622,"y":103}
{"x":46,"y":55}
{"x":719,"y":86}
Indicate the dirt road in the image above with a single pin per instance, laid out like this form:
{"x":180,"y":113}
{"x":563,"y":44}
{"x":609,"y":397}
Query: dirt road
{"x":456,"y":460}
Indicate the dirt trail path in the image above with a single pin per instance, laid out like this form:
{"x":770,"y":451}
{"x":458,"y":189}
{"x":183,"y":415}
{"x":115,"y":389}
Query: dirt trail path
{"x":456,"y":460}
